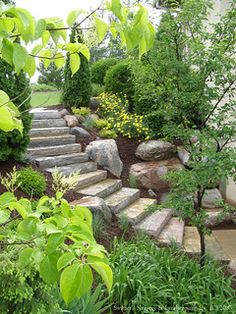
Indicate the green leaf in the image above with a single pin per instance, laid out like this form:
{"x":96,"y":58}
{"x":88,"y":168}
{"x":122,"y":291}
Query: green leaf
{"x":59,"y":61}
{"x":65,"y":260}
{"x":84,"y":213}
{"x":30,"y":66}
{"x":36,"y":50}
{"x":27,"y":228}
{"x":48,"y":268}
{"x":7,"y":51}
{"x":72,"y":16}
{"x":116,"y":8}
{"x":45,"y":38}
{"x":76,"y":280}
{"x":20,"y":209}
{"x":25,"y":256}
{"x":19,"y":57}
{"x":84,"y":50}
{"x":6,"y":24}
{"x":54,"y":241}
{"x":101,"y":28}
{"x":46,"y":55}
{"x":74,"y":63}
{"x":105,"y":272}
{"x":40,"y":28}
{"x":4,"y":215}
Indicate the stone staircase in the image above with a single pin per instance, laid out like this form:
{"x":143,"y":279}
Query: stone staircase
{"x":52,"y":146}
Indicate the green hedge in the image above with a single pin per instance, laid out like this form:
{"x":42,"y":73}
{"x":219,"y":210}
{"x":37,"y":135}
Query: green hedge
{"x":12,"y":144}
{"x":99,"y":69}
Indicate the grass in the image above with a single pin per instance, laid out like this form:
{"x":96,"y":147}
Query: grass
{"x":45,"y":99}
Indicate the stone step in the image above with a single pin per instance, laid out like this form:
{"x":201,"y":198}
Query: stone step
{"x":90,"y":178}
{"x":81,"y":167}
{"x":136,"y":211}
{"x":191,"y":243}
{"x":154,"y":223}
{"x":172,"y":233}
{"x":61,"y":160}
{"x":102,"y":189}
{"x":45,"y":114}
{"x":51,"y":141}
{"x":214,"y":249}
{"x":49,"y":123}
{"x":121,"y":199}
{"x":44,"y":132}
{"x":53,"y":150}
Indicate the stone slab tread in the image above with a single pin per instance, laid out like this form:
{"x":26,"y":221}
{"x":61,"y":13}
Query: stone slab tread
{"x":191,"y":243}
{"x":102,"y":189}
{"x":51,"y":141}
{"x":55,"y":131}
{"x":172,"y":233}
{"x":136,"y":211}
{"x":90,"y":178}
{"x":82,"y":167}
{"x":53,"y":150}
{"x":48,"y":123}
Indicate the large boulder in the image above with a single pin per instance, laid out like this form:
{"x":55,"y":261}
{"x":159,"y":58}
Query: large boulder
{"x":215,"y":217}
{"x":210,"y":198}
{"x":80,"y":118}
{"x":105,"y":153}
{"x":64,"y":112}
{"x":150,"y":174}
{"x":96,"y":205}
{"x":71,"y":120}
{"x":183,"y":155}
{"x":155,"y":150}
{"x":79,"y":132}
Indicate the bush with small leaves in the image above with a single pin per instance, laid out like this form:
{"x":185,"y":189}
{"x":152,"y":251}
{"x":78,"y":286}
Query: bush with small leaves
{"x":108,"y":134}
{"x":100,"y":68}
{"x":32,"y":182}
{"x":97,"y":89}
{"x":82,"y":111}
{"x":101,"y":123}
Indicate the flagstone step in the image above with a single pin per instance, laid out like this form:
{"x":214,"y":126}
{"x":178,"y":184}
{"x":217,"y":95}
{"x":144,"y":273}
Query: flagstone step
{"x":172,"y":233}
{"x":154,"y":223}
{"x":45,"y":114}
{"x":191,"y":242}
{"x":214,"y":249}
{"x":136,"y":211}
{"x":81,"y":167}
{"x":61,"y":160}
{"x":44,"y":132}
{"x":90,"y":178}
{"x":53,"y":150}
{"x":51,"y":140}
{"x":121,"y":199}
{"x":48,"y":123}
{"x":102,"y":189}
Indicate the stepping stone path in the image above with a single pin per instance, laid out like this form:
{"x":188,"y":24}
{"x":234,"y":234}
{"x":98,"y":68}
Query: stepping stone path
{"x":52,"y":146}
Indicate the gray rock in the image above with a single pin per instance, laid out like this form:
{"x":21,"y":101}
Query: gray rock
{"x":232,"y":267}
{"x":79,"y":132}
{"x":210,"y":198}
{"x":216,"y":217}
{"x":155,"y":150}
{"x":183,"y":155}
{"x":94,"y":102}
{"x":71,"y":120}
{"x":80,"y":118}
{"x":96,"y":205}
{"x":64,"y":112}
{"x":93,"y":116}
{"x":150,"y":174}
{"x":105,"y":153}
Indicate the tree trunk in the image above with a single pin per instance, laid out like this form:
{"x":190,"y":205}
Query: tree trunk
{"x":203,"y":248}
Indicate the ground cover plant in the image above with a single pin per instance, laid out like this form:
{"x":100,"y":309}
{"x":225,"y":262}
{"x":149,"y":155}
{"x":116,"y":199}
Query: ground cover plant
{"x":148,"y":279}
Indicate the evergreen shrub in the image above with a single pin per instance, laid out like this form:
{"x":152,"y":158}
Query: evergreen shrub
{"x":32,"y":182}
{"x":100,"y":68}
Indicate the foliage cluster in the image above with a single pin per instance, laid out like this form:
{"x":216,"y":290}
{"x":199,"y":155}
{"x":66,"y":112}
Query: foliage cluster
{"x":97,"y":89}
{"x":115,"y":111}
{"x":82,"y":111}
{"x":21,"y":288}
{"x":118,"y":80}
{"x":32,"y":182}
{"x":101,"y":123}
{"x":100,"y":68}
{"x":108,"y":133}
{"x":51,"y":75}
{"x":148,"y":279}
{"x":77,"y":88}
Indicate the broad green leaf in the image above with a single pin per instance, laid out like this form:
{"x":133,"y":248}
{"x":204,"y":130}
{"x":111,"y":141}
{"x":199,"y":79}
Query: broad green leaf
{"x":4,"y":98}
{"x":45,"y":38}
{"x":105,"y":272}
{"x":4,"y":215}
{"x":76,"y":280}
{"x":40,"y":28}
{"x":46,"y":55}
{"x":27,"y":228}
{"x":6,"y":24}
{"x":84,"y":213}
{"x":74,"y":63}
{"x":20,"y":209}
{"x":72,"y":16}
{"x":6,"y":198}
{"x":101,"y":28}
{"x":65,"y":260}
{"x":48,"y":268}
{"x":42,"y":201}
{"x":6,"y":121}
{"x":54,"y":241}
{"x":7,"y":51}
{"x":25,"y":256}
{"x":85,"y":51}
{"x":116,"y":8}
{"x":36,"y":50}
{"x":19,"y":57}
{"x":30,"y":66}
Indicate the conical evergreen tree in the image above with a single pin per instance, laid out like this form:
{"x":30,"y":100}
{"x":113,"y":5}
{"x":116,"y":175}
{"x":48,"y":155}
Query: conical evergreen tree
{"x":77,"y":89}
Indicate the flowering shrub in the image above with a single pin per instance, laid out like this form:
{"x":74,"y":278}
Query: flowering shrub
{"x":108,"y":133}
{"x":120,"y":119}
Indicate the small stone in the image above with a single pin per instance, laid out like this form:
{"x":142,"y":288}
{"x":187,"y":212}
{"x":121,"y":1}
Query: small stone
{"x":94,"y":102}
{"x":232,"y":267}
{"x":105,"y":153}
{"x":80,"y":118}
{"x":93,"y":116}
{"x":155,"y":150}
{"x":79,"y":132}
{"x":183,"y":155}
{"x":96,"y":205}
{"x":64,"y":112}
{"x":71,"y":120}
{"x":210,"y":198}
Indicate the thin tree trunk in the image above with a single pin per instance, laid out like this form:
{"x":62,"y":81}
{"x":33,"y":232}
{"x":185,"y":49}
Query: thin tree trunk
{"x":203,"y":248}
